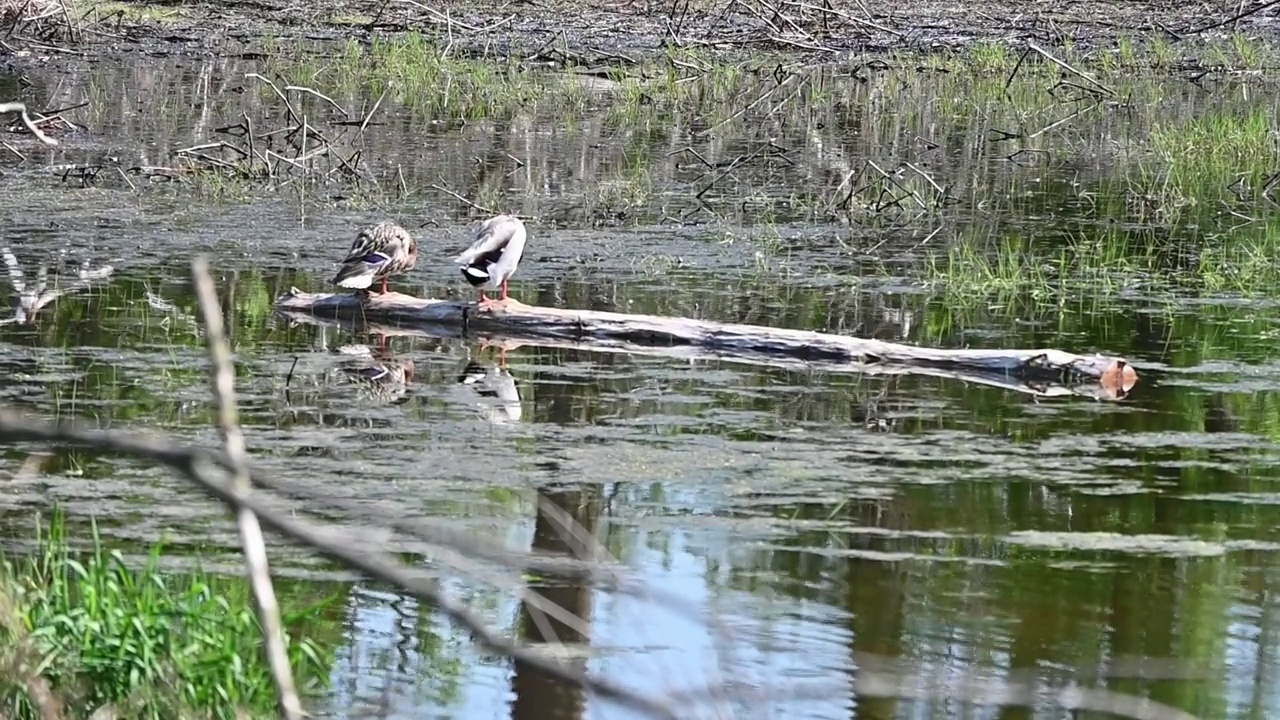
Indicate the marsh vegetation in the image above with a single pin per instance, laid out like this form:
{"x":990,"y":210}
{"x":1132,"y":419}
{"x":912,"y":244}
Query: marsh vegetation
{"x":91,"y":632}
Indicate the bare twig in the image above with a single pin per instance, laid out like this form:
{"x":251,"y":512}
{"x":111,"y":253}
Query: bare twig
{"x":1101,"y":88}
{"x":1228,"y":21}
{"x":942,"y":194}
{"x":894,"y":181}
{"x":749,"y":106}
{"x":365,"y":123}
{"x":845,"y":16}
{"x":1067,"y":119}
{"x":441,"y":17}
{"x":255,"y":549}
{"x":473,"y":205}
{"x":1017,"y":66}
{"x":316,"y":93}
{"x":293,"y":114}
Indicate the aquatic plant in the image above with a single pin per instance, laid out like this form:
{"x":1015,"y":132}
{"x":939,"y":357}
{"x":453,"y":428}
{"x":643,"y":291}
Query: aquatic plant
{"x":1213,"y":156}
{"x":92,"y":629}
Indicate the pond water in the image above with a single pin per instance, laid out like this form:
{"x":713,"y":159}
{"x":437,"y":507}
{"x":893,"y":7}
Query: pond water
{"x":820,"y":518}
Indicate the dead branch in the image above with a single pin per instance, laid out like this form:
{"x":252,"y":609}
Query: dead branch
{"x":255,"y":549}
{"x":315,"y":93}
{"x":21,"y":109}
{"x":463,"y":200}
{"x":844,"y":16}
{"x":749,"y":106}
{"x":297,"y":151}
{"x":293,"y":114}
{"x":1067,"y":119}
{"x":1233,"y":18}
{"x":365,"y":123}
{"x":1101,"y":88}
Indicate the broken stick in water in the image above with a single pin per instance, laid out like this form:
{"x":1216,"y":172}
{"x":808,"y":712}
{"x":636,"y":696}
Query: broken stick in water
{"x":21,"y":109}
{"x":1042,"y":372}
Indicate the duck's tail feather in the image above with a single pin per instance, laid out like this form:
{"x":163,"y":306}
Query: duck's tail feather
{"x":477,"y":276}
{"x":356,"y":275}
{"x":360,"y":272}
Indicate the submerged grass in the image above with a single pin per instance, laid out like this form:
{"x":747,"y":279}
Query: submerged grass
{"x":99,"y":633}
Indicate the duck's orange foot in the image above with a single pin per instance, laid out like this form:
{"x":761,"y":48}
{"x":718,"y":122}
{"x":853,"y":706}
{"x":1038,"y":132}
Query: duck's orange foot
{"x":490,"y":304}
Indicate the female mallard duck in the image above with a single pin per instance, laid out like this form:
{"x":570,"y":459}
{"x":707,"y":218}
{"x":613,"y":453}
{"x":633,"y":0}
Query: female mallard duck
{"x":494,"y":255}
{"x":377,"y":253}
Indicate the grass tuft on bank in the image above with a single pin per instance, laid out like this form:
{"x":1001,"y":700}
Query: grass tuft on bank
{"x":89,"y":630}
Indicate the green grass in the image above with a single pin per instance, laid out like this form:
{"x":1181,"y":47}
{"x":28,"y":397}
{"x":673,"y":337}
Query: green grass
{"x":1219,"y":155}
{"x":424,"y":75}
{"x":1023,"y":276}
{"x":420,"y":73}
{"x":102,"y":631}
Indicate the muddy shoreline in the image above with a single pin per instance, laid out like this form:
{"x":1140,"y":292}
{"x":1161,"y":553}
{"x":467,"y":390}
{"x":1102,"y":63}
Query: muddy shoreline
{"x":564,"y":33}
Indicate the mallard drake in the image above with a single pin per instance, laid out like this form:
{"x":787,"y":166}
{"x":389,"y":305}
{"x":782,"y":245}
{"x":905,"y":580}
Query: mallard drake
{"x":377,"y":253}
{"x":494,"y":255}
{"x":493,"y":383}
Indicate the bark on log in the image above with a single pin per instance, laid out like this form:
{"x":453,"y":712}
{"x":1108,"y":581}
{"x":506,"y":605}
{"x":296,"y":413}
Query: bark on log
{"x":1042,"y":372}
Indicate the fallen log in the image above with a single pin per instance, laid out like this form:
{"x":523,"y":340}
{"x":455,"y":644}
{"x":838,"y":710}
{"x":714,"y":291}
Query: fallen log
{"x":1042,"y":372}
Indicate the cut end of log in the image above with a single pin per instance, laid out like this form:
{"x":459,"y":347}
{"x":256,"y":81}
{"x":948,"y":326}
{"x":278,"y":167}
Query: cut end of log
{"x":1118,"y":378}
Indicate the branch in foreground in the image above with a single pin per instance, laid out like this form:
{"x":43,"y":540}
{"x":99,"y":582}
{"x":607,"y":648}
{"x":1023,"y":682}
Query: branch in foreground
{"x":206,"y":470}
{"x":255,"y":547}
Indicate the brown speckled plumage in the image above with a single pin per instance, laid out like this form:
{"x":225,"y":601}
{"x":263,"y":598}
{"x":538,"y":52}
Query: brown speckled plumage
{"x":378,"y":252}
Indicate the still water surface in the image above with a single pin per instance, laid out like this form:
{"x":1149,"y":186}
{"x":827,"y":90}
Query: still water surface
{"x":967,"y":530}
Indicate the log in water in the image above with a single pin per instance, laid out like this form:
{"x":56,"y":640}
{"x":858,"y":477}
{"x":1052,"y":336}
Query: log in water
{"x":1095,"y":375}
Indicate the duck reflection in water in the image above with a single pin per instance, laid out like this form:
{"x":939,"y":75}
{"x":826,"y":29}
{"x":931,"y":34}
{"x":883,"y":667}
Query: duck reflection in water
{"x":376,"y":375}
{"x":493,"y":390}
